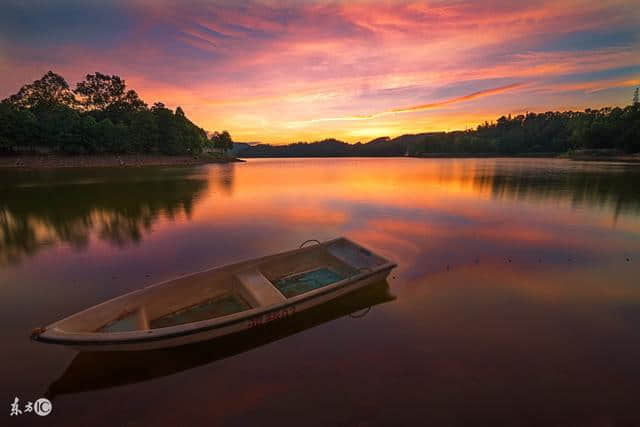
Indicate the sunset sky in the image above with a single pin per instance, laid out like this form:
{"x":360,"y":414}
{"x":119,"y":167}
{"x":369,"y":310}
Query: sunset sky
{"x":283,"y":71}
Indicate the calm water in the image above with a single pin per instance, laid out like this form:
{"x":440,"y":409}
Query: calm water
{"x":516,"y":300}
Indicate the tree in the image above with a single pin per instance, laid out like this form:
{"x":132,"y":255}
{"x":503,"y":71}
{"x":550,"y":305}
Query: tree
{"x":108,"y":94}
{"x":47,"y":92}
{"x":222,"y":141}
{"x":636,"y":98}
{"x":100,"y":90}
{"x":144,"y":131}
{"x":17,"y":128}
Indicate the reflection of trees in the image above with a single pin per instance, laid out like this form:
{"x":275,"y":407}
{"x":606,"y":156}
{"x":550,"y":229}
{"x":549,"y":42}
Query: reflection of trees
{"x":40,"y":208}
{"x":592,"y":186}
{"x":223,"y":177}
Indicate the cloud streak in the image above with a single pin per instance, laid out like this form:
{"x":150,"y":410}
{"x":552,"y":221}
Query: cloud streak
{"x":420,"y":107}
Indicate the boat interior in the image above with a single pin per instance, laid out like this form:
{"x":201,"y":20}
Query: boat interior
{"x":228,"y":290}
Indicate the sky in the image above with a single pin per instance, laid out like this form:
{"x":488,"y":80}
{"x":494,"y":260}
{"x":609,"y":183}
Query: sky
{"x":285,"y":71}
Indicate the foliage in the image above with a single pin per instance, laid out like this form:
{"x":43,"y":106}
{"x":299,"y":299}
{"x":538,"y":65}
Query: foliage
{"x":221,"y":141}
{"x":545,"y":133}
{"x":49,"y":91}
{"x":100,"y":116}
{"x":550,"y":132}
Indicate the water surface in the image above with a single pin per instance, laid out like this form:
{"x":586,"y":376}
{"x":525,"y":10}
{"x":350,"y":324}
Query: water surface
{"x":515,"y":302}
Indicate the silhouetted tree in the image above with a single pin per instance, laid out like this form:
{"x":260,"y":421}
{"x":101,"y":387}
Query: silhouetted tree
{"x":48,"y":92}
{"x":107,"y":119}
{"x":98,"y":91}
{"x":107,"y":97}
{"x":222,"y":141}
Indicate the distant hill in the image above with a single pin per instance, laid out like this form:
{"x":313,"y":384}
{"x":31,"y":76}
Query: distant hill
{"x":239,"y":147}
{"x":379,"y":147}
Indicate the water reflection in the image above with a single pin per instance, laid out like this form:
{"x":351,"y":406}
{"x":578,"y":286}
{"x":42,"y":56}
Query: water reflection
{"x":44,"y":208}
{"x":99,"y":370}
{"x":39,"y":209}
{"x":224,"y":177}
{"x":516,"y":282}
{"x":593,"y":185}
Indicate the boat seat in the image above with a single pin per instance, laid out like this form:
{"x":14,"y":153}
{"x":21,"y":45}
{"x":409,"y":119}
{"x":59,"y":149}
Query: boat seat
{"x":260,"y":291}
{"x":129,"y":321}
{"x":143,"y":319}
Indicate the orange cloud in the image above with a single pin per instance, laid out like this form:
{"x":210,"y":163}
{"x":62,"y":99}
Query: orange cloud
{"x":422,"y":107}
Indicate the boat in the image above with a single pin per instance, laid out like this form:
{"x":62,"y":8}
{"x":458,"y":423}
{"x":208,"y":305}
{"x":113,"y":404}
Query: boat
{"x":221,"y":301}
{"x":118,"y":368}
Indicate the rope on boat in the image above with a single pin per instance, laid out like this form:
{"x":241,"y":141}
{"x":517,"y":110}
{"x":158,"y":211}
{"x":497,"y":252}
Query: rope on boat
{"x":364,"y":313}
{"x":309,"y":241}
{"x":35,"y":332}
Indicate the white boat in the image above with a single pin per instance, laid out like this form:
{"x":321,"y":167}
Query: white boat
{"x":118,"y":368}
{"x":222,"y":300}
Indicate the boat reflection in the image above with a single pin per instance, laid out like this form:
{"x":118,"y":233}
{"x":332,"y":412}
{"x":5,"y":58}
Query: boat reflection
{"x":99,"y":370}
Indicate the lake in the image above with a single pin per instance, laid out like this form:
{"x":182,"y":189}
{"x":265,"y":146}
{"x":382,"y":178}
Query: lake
{"x":516,"y":299}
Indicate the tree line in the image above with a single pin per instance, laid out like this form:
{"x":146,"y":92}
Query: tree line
{"x":101,"y":115}
{"x":616,"y":129}
{"x":532,"y":133}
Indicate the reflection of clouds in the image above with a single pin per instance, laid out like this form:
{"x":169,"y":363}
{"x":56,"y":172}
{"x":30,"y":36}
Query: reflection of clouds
{"x":310,"y":215}
{"x":401,"y":248}
{"x":406,"y":208}
{"x":524,"y":234}
{"x":446,"y":193}
{"x":574,"y":286}
{"x":430,"y":214}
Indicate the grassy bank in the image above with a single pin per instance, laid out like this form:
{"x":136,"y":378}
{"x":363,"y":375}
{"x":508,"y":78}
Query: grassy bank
{"x":631,"y":158}
{"x":483,"y":155}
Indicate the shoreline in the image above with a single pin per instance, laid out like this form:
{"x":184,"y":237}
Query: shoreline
{"x":622,"y":159}
{"x":633,"y":158}
{"x":56,"y":161}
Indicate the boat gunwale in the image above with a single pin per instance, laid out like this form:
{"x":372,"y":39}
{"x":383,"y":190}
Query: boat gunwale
{"x":53,"y":334}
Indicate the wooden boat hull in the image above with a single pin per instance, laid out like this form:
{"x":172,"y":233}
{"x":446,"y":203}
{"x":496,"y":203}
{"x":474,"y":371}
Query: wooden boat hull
{"x":269,"y":307}
{"x":234,"y":327}
{"x":119,"y":368}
